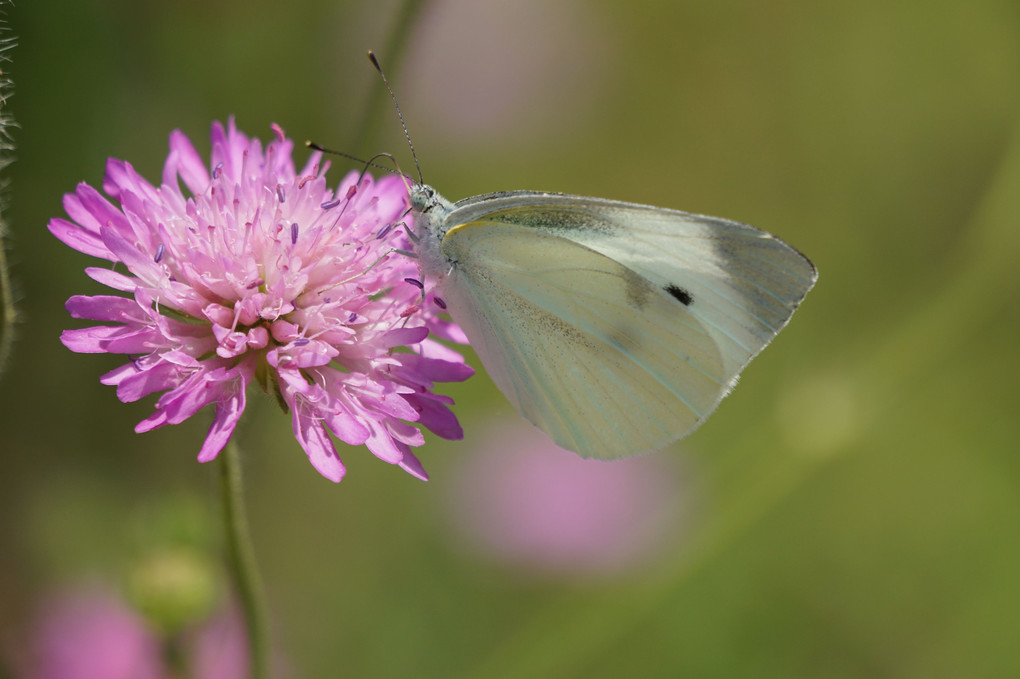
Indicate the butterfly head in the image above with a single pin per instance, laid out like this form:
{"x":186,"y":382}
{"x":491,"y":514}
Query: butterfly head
{"x":423,"y":198}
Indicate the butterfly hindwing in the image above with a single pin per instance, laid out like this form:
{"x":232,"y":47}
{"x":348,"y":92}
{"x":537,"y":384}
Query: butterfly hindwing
{"x":605,"y":361}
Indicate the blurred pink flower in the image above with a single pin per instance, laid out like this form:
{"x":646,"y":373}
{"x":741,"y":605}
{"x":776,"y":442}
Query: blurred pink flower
{"x":91,"y":635}
{"x":503,"y":91}
{"x":219,"y":649}
{"x":264,"y":274}
{"x":524,"y":501}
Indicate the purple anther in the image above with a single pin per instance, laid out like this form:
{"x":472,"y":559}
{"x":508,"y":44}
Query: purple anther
{"x":353,"y":317}
{"x":216,"y":171}
{"x":301,"y":342}
{"x":439,"y":302}
{"x":159,"y":253}
{"x":415,"y":282}
{"x":280,"y":195}
{"x":383,"y":232}
{"x":293,"y":233}
{"x":331,"y":204}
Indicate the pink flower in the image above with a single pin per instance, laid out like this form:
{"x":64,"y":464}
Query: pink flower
{"x":219,"y":649}
{"x":264,"y":274}
{"x":525,"y":502}
{"x":90,"y":634}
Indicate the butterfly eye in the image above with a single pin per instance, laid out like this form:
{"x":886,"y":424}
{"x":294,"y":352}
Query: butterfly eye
{"x":423,"y":198}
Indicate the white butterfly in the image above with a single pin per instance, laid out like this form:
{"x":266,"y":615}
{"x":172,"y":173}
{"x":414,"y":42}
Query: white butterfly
{"x":616,"y":328}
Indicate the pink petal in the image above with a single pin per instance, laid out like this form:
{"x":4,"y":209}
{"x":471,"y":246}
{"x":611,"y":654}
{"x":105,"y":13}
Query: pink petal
{"x":437,"y":418}
{"x":103,"y":212}
{"x":432,"y":349}
{"x":382,"y":444}
{"x":413,"y":466}
{"x":153,"y":421}
{"x":92,"y":340}
{"x":222,"y":153}
{"x":157,"y":378}
{"x":228,"y":413}
{"x":119,"y":374}
{"x":133,"y":341}
{"x":188,"y":164}
{"x":78,"y":213}
{"x":111,"y":278}
{"x":104,"y":308}
{"x":347,"y":427}
{"x":197,"y":392}
{"x":405,"y":433}
{"x":139,"y":264}
{"x":391,"y":404}
{"x":403,"y":336}
{"x":439,"y":370}
{"x":121,"y":180}
{"x":450,"y":332}
{"x":312,"y":164}
{"x":79,"y":238}
{"x":318,"y":446}
{"x":312,"y":355}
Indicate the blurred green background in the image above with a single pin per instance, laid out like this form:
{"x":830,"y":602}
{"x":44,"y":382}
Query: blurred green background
{"x":853,"y":506}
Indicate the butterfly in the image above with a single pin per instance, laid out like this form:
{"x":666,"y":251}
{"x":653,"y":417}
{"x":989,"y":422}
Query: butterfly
{"x":614,"y":327}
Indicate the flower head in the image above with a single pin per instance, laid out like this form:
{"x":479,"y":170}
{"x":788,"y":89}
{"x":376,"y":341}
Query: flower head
{"x":264,"y":274}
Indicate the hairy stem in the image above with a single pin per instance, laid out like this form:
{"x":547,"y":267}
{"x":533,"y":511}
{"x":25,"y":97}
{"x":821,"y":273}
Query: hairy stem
{"x":242,"y":562}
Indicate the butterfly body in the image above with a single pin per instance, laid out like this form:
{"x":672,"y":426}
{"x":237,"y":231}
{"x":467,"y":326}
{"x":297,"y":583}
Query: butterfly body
{"x":616,"y":328}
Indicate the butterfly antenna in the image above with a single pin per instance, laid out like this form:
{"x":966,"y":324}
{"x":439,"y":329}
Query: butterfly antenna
{"x":367,"y":163}
{"x":407,"y":135}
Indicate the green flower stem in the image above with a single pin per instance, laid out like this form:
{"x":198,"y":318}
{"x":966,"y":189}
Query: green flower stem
{"x":243,"y":564}
{"x":390,"y":56}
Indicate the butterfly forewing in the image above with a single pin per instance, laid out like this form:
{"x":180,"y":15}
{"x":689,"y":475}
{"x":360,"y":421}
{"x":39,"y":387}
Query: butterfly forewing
{"x":740,"y":282}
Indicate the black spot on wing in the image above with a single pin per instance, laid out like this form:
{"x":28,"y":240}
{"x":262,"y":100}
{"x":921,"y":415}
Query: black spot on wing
{"x":680,"y":294}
